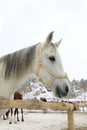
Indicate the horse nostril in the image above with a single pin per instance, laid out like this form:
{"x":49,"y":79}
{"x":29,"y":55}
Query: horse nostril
{"x":67,"y":89}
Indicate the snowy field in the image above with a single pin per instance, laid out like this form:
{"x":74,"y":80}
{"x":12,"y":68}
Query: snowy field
{"x":48,"y":121}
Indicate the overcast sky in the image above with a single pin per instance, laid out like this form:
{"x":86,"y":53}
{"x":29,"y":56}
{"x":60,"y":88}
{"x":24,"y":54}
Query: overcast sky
{"x":27,"y":22}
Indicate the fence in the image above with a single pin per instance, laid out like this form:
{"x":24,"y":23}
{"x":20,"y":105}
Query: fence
{"x":35,"y":104}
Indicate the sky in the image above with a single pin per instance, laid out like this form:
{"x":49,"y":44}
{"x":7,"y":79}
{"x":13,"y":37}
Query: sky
{"x":26,"y":22}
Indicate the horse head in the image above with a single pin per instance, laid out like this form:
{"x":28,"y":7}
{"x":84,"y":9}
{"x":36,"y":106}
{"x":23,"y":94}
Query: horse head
{"x":49,"y":67}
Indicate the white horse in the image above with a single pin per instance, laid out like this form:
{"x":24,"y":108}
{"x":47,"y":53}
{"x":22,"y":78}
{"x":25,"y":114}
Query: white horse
{"x":41,"y":59}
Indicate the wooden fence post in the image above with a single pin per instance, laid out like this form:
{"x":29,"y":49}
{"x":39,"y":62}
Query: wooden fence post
{"x":70,"y":120}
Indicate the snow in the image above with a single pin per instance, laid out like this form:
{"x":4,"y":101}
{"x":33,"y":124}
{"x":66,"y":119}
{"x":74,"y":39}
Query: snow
{"x":48,"y":121}
{"x":38,"y":87}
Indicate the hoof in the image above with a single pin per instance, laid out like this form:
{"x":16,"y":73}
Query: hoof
{"x":22,"y":120}
{"x":18,"y":120}
{"x":10,"y":122}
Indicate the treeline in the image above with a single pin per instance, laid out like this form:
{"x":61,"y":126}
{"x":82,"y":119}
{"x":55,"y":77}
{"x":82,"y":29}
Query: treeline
{"x":78,"y":87}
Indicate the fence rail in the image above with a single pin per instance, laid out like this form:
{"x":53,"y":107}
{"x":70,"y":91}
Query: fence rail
{"x":35,"y":104}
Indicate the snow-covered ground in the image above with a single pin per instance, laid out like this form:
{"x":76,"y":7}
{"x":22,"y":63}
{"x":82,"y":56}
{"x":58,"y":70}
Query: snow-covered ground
{"x":48,"y":121}
{"x":38,"y":91}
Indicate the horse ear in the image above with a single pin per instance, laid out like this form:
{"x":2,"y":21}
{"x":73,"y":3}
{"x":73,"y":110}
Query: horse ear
{"x":58,"y":43}
{"x":49,"y":37}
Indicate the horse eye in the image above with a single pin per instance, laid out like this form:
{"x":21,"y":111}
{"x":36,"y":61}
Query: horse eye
{"x":52,"y":58}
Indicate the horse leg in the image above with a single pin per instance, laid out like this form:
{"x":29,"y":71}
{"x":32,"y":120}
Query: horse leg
{"x":22,"y":115}
{"x":15,"y":112}
{"x":11,"y":116}
{"x":4,"y":117}
{"x":7,"y":114}
{"x":17,"y":115}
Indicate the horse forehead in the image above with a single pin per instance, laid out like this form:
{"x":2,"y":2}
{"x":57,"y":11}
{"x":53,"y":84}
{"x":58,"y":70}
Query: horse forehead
{"x":51,"y":48}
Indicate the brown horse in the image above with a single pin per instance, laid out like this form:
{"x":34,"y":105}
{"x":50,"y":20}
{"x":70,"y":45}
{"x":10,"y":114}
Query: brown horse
{"x":18,"y":96}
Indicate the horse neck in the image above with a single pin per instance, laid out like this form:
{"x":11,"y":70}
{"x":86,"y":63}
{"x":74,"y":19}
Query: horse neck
{"x":28,"y":74}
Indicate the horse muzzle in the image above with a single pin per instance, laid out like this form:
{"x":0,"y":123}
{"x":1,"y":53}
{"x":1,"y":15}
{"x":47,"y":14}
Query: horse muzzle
{"x":61,"y":87}
{"x":61,"y":93}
